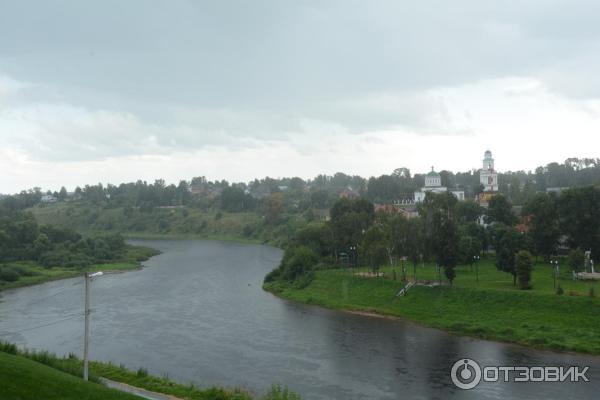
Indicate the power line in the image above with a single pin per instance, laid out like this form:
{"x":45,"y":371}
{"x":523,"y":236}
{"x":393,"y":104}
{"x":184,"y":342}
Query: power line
{"x":41,"y":326}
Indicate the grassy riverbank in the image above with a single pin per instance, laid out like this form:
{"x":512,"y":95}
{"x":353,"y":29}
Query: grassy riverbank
{"x":491,"y":309}
{"x":31,"y":375}
{"x":26,"y":379}
{"x":29,"y":273}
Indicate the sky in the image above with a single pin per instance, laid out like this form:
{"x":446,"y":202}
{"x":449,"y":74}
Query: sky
{"x":116,"y":91}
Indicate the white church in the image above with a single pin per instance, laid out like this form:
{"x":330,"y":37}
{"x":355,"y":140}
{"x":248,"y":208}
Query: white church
{"x":488,"y":176}
{"x":433,"y":184}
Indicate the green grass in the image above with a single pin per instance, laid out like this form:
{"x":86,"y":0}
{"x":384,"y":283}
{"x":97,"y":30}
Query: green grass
{"x":32,"y":273}
{"x":22,"y":378}
{"x":28,"y":373}
{"x":494,"y":309}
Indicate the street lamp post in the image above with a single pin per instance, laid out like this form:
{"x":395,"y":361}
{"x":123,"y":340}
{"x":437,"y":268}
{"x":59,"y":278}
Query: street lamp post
{"x":554,"y":264}
{"x":476,"y":259}
{"x":86,"y":335}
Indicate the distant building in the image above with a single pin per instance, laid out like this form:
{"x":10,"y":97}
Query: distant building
{"x":48,"y":198}
{"x":557,"y":190}
{"x":488,"y":176}
{"x":433,"y":184}
{"x":349,"y":193}
{"x":386,"y":208}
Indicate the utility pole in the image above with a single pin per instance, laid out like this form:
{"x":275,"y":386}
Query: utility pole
{"x":86,"y":335}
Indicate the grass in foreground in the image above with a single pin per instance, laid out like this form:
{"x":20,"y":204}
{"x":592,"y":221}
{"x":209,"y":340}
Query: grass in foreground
{"x":495,"y":310}
{"x":21,"y":378}
{"x":27,"y":372}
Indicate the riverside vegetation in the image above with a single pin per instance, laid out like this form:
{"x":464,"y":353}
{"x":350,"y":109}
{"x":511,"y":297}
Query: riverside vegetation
{"x":31,"y":253}
{"x":445,"y":252}
{"x":37,"y":375}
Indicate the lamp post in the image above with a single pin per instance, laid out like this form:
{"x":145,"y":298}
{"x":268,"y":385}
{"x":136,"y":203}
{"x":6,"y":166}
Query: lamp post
{"x":86,"y":335}
{"x":554,"y":264}
{"x":476,"y":259}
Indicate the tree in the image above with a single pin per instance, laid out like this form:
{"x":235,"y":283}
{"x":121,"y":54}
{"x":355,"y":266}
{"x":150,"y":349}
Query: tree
{"x":579,"y":216}
{"x":542,"y":214}
{"x":62,"y":195}
{"x":500,"y":211}
{"x":468,"y":211}
{"x":524,"y":265}
{"x":576,"y":259}
{"x":374,"y":247}
{"x":507,"y":242}
{"x":469,"y":247}
{"x":414,"y":242}
{"x":442,"y":231}
{"x":350,"y":219}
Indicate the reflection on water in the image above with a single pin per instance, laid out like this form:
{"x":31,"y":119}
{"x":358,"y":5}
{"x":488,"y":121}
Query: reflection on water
{"x":197,"y":312}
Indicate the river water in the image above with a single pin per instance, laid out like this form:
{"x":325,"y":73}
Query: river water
{"x":197,"y":313}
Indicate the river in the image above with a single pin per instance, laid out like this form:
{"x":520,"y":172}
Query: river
{"x":197,"y":313}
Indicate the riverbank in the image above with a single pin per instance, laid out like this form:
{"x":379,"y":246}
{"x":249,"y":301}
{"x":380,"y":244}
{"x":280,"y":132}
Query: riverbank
{"x":28,"y":273}
{"x":540,"y":320}
{"x":170,"y":223}
{"x":29,"y":375}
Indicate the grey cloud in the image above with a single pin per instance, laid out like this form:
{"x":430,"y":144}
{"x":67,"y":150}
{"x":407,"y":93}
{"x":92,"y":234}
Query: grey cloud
{"x":182,"y":74}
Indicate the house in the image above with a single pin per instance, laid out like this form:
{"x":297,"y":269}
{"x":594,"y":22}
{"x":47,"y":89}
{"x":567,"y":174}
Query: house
{"x":48,"y":198}
{"x":349,"y":193}
{"x":386,"y":208}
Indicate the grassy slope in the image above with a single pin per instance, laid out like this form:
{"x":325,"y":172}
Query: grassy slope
{"x":28,"y":371}
{"x":35,"y":273}
{"x":495,"y":310}
{"x":21,"y":378}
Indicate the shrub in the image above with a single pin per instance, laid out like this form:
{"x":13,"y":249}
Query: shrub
{"x":9,"y":348}
{"x":8,"y":275}
{"x":142,"y":372}
{"x":281,"y":393}
{"x":559,"y":290}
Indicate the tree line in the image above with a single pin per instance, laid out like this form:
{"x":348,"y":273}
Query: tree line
{"x":23,"y":239}
{"x":450,"y":233}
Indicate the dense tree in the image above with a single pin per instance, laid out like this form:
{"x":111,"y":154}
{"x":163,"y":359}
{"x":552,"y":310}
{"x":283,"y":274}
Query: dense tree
{"x":524,"y":265}
{"x":579,"y":212}
{"x":507,"y":242}
{"x":500,"y":211}
{"x":541,"y":212}
{"x":442,"y":231}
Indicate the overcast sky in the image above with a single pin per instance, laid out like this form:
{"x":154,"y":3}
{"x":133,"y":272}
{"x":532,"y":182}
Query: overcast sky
{"x":116,"y":91}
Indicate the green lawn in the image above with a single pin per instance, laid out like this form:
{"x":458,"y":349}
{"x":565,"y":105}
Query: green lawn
{"x":492,"y":309}
{"x":24,"y":379}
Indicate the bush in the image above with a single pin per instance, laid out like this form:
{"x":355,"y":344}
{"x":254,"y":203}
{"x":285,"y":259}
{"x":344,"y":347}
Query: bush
{"x":559,"y":290}
{"x":142,"y":372}
{"x":281,"y":393}
{"x":8,"y":275}
{"x":9,"y":348}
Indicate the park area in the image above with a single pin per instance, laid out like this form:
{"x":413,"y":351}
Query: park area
{"x":489,"y":307}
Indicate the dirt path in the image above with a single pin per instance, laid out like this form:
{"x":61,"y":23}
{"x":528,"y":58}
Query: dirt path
{"x":123,"y":387}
